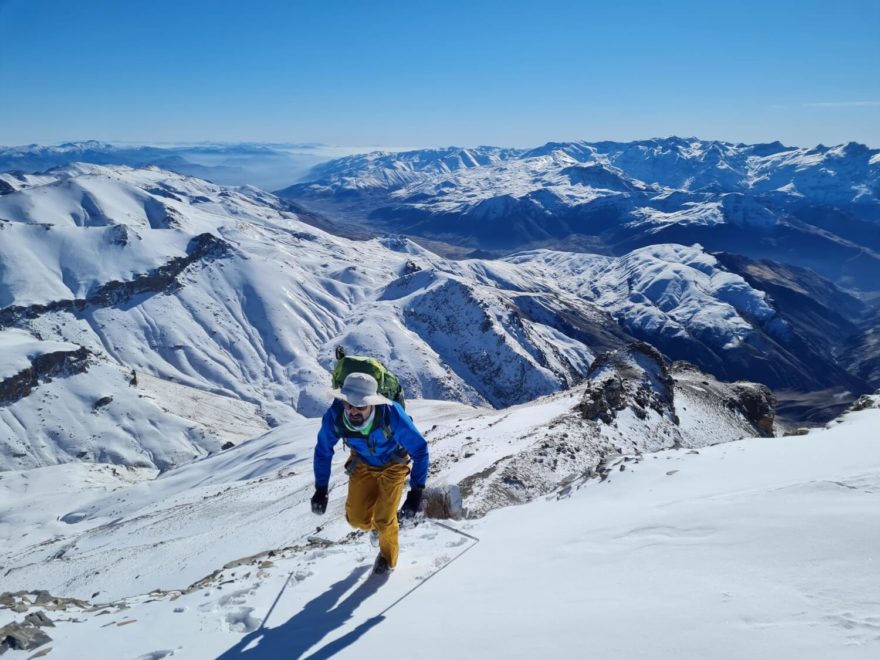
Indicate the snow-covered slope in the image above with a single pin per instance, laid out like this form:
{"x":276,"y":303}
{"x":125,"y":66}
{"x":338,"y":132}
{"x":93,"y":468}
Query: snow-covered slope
{"x":691,"y":306}
{"x":220,"y":292}
{"x":497,"y":457}
{"x":220,"y":558}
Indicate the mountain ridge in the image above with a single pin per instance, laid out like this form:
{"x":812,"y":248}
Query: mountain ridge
{"x":256,"y":314}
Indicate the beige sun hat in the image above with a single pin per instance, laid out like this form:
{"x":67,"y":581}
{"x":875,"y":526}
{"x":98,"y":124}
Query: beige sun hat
{"x":360,"y":390}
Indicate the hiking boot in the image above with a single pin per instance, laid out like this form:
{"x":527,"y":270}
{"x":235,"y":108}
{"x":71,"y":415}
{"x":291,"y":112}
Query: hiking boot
{"x":381,"y":566}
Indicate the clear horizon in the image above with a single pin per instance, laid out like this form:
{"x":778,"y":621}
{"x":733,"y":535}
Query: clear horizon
{"x":426,"y":74}
{"x":365,"y":148}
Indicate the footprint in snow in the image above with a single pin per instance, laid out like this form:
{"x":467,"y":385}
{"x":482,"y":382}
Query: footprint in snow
{"x":302,"y":573}
{"x":158,"y":655}
{"x":663,"y":531}
{"x":242,"y":620}
{"x":236,"y":597}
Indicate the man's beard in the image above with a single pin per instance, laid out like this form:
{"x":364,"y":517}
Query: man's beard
{"x":358,"y":419}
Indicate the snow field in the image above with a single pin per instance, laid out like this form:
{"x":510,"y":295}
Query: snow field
{"x":760,"y":548}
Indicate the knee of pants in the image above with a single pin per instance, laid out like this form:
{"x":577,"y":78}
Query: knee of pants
{"x":385,"y":523}
{"x":358,"y":522}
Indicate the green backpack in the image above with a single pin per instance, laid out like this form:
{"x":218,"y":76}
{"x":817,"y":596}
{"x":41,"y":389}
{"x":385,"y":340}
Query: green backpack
{"x":389,"y":384}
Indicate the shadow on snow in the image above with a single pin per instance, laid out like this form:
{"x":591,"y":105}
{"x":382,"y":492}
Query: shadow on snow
{"x":313,"y":623}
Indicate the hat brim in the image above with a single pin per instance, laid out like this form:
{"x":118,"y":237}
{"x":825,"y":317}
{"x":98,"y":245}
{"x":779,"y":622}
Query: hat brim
{"x":358,"y":402}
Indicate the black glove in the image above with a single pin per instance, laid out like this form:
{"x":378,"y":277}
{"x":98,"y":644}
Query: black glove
{"x":411,"y":504}
{"x":319,"y":500}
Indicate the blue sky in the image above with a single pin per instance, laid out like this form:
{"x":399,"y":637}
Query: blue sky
{"x":413,"y":73}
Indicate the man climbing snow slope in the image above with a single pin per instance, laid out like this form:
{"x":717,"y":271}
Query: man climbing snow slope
{"x":383,"y":440}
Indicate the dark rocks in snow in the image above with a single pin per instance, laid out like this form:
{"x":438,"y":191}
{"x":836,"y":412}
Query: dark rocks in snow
{"x":103,"y":401}
{"x":204,"y":247}
{"x":443,"y":502}
{"x":21,"y":637}
{"x":119,"y":235}
{"x":227,"y":445}
{"x":53,"y":603}
{"x":864,"y":403}
{"x":14,"y":601}
{"x":640,"y":379}
{"x":43,"y":369}
{"x":603,"y":400}
{"x":39,"y":619}
{"x":753,"y":402}
{"x":636,"y":377}
{"x":757,"y":404}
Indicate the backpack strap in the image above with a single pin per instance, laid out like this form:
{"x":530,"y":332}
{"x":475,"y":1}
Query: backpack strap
{"x":383,"y":420}
{"x":401,"y":455}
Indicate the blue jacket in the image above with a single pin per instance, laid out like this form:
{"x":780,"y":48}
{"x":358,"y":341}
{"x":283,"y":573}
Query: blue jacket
{"x":376,"y":449}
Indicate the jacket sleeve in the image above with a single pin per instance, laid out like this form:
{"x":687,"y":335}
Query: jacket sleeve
{"x":324,"y":448}
{"x":406,"y":433}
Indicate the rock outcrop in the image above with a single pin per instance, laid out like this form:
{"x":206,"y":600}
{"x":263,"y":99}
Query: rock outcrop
{"x":637,"y":378}
{"x":204,"y":247}
{"x":43,"y":369}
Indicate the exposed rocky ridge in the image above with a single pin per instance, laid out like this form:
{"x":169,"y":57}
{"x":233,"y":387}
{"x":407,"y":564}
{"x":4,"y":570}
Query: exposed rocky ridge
{"x":43,"y":369}
{"x":24,"y":636}
{"x":633,"y":402}
{"x":865,"y":402}
{"x":204,"y":247}
{"x":753,"y":403}
{"x":637,"y":378}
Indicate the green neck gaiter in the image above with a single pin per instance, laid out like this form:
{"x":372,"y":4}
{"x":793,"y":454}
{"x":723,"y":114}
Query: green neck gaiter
{"x":364,"y":428}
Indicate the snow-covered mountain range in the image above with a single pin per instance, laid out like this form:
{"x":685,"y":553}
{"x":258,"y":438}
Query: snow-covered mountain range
{"x":269,"y":166}
{"x":151,"y":289}
{"x":818,"y":207}
{"x":165,"y":346}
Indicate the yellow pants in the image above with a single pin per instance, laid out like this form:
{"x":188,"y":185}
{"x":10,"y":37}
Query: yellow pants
{"x":373,"y":497}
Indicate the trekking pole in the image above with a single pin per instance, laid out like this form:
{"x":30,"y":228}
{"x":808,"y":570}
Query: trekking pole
{"x":453,"y":529}
{"x":277,"y":598}
{"x":458,"y":556}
